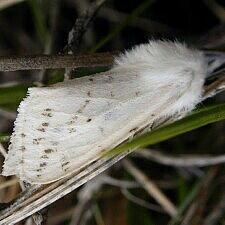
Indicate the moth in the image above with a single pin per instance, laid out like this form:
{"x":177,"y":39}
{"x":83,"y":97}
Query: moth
{"x":65,"y":127}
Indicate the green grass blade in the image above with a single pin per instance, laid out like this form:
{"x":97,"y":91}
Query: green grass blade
{"x":10,"y":97}
{"x":39,"y":20}
{"x":197,"y":119}
{"x":4,"y":137}
{"x":187,"y":201}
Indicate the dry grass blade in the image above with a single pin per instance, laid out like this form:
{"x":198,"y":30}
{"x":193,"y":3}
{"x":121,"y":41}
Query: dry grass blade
{"x":180,"y":161}
{"x":215,"y":88}
{"x":85,"y":196}
{"x":141,"y":202}
{"x":194,"y":215}
{"x":38,"y":197}
{"x":2,"y":150}
{"x":8,"y":183}
{"x":216,"y":8}
{"x":151,"y":188}
{"x":7,"y":3}
{"x":7,"y":114}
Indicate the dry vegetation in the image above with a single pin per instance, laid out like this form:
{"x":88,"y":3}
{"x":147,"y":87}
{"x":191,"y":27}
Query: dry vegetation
{"x":175,"y":179}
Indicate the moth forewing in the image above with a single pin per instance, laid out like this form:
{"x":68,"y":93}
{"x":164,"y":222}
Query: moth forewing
{"x":65,"y":127}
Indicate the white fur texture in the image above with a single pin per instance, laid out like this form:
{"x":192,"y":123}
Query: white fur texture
{"x":61,"y":128}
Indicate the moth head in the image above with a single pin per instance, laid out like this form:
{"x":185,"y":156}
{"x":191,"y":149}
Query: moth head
{"x":162,"y":57}
{"x":158,"y":57}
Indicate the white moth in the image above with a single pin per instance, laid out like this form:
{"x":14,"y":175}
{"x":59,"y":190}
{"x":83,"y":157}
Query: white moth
{"x":64,"y":127}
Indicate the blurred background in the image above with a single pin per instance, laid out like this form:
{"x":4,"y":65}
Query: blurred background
{"x":29,"y":27}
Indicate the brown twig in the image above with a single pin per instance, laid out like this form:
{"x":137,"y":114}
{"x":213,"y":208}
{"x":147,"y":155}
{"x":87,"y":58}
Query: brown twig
{"x":14,"y":63}
{"x":81,"y":24}
{"x":50,"y":43}
{"x":75,"y":35}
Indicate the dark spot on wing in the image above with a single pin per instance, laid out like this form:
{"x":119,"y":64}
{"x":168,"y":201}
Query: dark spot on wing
{"x":63,"y":166}
{"x":45,"y":124}
{"x":36,"y":141}
{"x":110,"y":78}
{"x":70,"y":122}
{"x":89,"y":120}
{"x":84,"y":106}
{"x":48,"y":110}
{"x":38,"y":170}
{"x":47,"y":151}
{"x":65,"y":169}
{"x":133,"y":130}
{"x":111,"y":94}
{"x":65,"y":163}
{"x":41,"y":129}
{"x":137,"y":93}
{"x":22,"y":148}
{"x":47,"y":114}
{"x":89,"y":94}
{"x":91,"y":79}
{"x":44,"y":157}
{"x":23,"y":135}
{"x":72,"y":130}
{"x":43,"y":164}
